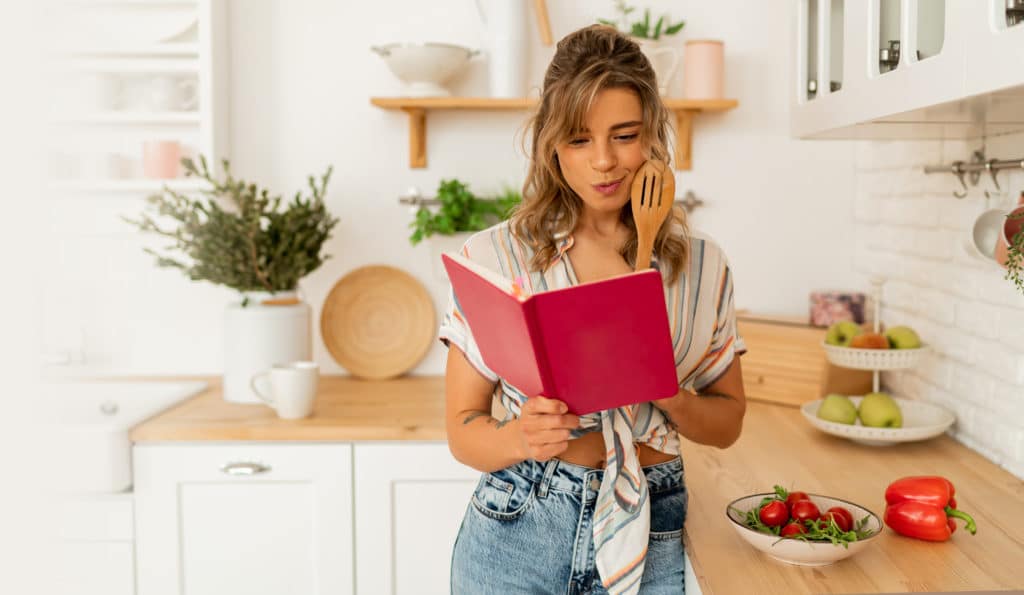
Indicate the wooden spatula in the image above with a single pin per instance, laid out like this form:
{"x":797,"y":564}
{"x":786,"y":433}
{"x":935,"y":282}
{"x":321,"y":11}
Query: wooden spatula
{"x":651,"y":197}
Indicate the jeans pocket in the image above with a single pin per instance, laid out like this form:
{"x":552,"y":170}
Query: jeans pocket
{"x":502,"y":495}
{"x":668,"y":514}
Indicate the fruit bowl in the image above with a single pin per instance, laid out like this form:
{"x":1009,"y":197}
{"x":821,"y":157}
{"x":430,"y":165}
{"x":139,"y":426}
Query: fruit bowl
{"x":873,"y":359}
{"x":921,"y":421}
{"x":795,"y":551}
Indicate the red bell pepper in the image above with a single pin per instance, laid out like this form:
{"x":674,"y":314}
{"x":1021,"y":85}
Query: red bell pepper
{"x":924,"y":507}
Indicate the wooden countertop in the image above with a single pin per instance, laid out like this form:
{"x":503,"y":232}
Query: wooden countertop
{"x":777,"y":447}
{"x":409,"y":408}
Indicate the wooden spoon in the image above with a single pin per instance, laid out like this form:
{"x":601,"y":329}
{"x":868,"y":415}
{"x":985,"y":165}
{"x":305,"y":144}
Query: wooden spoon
{"x":651,"y":196}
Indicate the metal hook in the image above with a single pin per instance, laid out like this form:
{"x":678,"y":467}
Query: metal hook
{"x":960,"y":176}
{"x":992,"y":172}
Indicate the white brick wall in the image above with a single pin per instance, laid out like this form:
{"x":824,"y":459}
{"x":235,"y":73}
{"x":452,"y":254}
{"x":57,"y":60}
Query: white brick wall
{"x":912,"y":231}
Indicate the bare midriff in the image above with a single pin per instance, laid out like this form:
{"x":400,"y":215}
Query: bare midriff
{"x":589,"y":451}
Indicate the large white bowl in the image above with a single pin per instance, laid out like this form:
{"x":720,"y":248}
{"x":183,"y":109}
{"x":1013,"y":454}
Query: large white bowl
{"x":796,"y":551}
{"x":425,"y":67}
{"x":921,"y":421}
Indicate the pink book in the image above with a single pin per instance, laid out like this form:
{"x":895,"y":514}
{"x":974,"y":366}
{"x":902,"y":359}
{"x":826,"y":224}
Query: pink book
{"x":595,"y":346}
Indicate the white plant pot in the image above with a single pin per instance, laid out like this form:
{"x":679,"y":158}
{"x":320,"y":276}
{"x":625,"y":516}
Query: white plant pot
{"x":506,"y":31}
{"x":664,"y":59}
{"x":257,"y":336}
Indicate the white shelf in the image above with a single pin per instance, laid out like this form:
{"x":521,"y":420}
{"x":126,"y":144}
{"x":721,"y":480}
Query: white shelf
{"x":158,"y":49}
{"x":140,"y":185}
{"x":135,"y":65}
{"x":175,"y":118}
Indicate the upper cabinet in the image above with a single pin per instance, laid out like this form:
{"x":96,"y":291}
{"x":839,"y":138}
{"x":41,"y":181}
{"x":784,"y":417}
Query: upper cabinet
{"x":908,"y":68}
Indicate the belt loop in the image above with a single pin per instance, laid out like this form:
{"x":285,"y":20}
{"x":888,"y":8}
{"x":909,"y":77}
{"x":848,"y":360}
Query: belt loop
{"x":545,"y":482}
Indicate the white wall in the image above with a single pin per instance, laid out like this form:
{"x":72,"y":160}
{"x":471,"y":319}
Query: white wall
{"x":301,"y":78}
{"x":913,"y":231}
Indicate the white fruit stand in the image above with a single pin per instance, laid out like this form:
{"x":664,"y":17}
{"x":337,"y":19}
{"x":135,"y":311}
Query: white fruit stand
{"x":921,"y":420}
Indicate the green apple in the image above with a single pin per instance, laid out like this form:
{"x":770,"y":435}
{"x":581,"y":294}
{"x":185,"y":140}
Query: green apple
{"x":838,"y":408}
{"x":879,"y":410}
{"x":842,"y":332}
{"x":903,"y":337}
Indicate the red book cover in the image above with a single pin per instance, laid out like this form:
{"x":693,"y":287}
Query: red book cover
{"x":595,"y":346}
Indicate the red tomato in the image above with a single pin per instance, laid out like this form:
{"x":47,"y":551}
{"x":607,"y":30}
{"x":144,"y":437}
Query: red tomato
{"x":774,"y":514}
{"x":841,"y":521}
{"x":792,"y":528}
{"x":840,"y":511}
{"x":805,"y":510}
{"x":795,"y":497}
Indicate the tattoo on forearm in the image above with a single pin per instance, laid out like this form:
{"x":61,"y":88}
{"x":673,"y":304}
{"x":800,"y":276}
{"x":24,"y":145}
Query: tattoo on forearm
{"x":501,"y":424}
{"x":472,"y":416}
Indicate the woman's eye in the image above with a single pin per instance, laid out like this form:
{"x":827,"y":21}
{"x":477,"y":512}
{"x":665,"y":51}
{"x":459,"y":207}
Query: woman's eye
{"x":577,"y":141}
{"x":626,"y":136}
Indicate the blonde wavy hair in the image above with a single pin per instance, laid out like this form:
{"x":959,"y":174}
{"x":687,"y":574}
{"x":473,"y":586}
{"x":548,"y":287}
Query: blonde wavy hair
{"x":588,"y":61}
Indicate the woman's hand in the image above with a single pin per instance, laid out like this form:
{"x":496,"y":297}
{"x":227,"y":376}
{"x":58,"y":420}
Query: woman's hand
{"x":544,"y":428}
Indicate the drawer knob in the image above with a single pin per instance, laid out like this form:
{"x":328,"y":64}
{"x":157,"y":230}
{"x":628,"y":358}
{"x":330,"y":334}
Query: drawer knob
{"x":245,"y":468}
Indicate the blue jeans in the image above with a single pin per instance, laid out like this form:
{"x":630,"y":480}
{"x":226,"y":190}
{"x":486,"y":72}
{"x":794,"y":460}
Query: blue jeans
{"x":529,"y":529}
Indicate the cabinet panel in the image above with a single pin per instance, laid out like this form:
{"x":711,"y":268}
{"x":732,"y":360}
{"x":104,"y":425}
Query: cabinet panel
{"x":410,"y":499}
{"x":243,"y":519}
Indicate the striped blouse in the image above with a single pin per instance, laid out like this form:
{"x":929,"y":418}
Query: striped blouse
{"x":702,"y":317}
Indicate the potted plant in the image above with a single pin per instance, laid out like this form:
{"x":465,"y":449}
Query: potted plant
{"x":1014,"y":228}
{"x":458,"y":213}
{"x":648,"y":34}
{"x":238,"y":236}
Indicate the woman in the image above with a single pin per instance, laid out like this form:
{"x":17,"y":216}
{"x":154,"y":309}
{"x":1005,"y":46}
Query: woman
{"x":593,"y":504}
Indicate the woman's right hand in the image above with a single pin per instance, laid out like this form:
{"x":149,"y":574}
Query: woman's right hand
{"x":544,"y":427}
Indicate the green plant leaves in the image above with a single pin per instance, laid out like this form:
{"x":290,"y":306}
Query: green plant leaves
{"x":642,"y":29}
{"x":237,"y":235}
{"x":461,"y":210}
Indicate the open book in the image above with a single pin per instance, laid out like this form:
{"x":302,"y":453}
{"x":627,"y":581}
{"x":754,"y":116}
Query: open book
{"x":595,"y":346}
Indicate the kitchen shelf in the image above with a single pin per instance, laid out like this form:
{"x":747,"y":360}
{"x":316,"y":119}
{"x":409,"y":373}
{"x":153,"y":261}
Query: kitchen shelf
{"x":127,"y":117}
{"x":417,"y":108}
{"x":185,"y":49}
{"x":140,"y":185}
{"x":134,"y":65}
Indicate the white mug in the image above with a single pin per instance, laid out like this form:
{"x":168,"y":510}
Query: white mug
{"x":292,"y":388}
{"x":166,"y":93}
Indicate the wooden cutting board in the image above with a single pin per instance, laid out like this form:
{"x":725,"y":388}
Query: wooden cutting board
{"x":786,"y":364}
{"x":378,"y":322}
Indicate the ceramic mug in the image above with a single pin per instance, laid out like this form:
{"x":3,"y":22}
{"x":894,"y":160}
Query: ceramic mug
{"x":292,"y":388}
{"x":166,"y":93}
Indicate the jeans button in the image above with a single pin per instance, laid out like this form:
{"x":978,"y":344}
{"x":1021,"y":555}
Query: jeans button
{"x":595,"y":484}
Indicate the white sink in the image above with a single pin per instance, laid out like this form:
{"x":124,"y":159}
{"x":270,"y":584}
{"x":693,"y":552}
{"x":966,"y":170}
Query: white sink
{"x":91,"y":422}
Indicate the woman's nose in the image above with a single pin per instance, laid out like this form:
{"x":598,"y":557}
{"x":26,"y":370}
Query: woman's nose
{"x":604,"y":157}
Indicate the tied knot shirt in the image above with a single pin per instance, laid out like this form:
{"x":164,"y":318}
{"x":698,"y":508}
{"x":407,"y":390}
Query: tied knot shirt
{"x":702,"y":318}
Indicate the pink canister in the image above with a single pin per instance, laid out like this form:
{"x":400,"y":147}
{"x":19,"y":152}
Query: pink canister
{"x":704,"y":69}
{"x":161,"y":159}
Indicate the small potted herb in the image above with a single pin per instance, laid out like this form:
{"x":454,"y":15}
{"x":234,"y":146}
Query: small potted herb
{"x":239,"y":237}
{"x":1015,"y":248}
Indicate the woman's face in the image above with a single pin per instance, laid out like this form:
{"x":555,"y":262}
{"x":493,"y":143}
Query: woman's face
{"x":600,"y":161}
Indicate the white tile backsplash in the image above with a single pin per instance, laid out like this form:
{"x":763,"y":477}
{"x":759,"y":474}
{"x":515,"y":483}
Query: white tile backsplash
{"x":913,"y":231}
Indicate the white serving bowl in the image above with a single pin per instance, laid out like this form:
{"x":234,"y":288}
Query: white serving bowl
{"x":425,"y":67}
{"x":796,"y":551}
{"x":921,"y":421}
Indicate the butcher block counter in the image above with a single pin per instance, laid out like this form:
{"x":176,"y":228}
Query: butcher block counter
{"x":777,"y":447}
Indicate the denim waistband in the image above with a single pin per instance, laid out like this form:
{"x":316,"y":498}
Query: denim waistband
{"x":561,"y":476}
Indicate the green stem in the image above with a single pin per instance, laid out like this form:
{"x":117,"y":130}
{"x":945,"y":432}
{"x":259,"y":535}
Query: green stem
{"x":971,"y":527}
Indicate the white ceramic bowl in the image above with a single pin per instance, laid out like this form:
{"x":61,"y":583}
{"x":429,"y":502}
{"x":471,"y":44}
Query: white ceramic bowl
{"x":796,"y":551}
{"x":873,"y":359}
{"x":921,"y":421}
{"x":425,"y":67}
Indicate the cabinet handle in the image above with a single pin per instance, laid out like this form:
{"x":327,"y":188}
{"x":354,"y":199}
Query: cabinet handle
{"x":245,"y":468}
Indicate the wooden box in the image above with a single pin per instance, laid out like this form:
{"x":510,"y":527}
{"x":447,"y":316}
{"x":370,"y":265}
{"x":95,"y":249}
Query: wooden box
{"x":785,"y":363}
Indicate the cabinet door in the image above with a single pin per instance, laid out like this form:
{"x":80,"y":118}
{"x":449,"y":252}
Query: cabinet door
{"x":410,"y":499}
{"x":253,"y":519}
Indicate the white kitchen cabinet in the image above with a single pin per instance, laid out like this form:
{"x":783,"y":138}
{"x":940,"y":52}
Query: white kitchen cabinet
{"x":409,"y":500}
{"x":243,"y":518}
{"x":949,"y":50}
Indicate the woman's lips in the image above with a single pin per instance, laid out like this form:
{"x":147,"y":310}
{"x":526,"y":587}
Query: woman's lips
{"x":608,"y":189}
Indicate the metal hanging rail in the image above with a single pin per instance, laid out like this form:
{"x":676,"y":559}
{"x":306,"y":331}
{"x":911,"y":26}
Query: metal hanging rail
{"x":973,"y":168}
